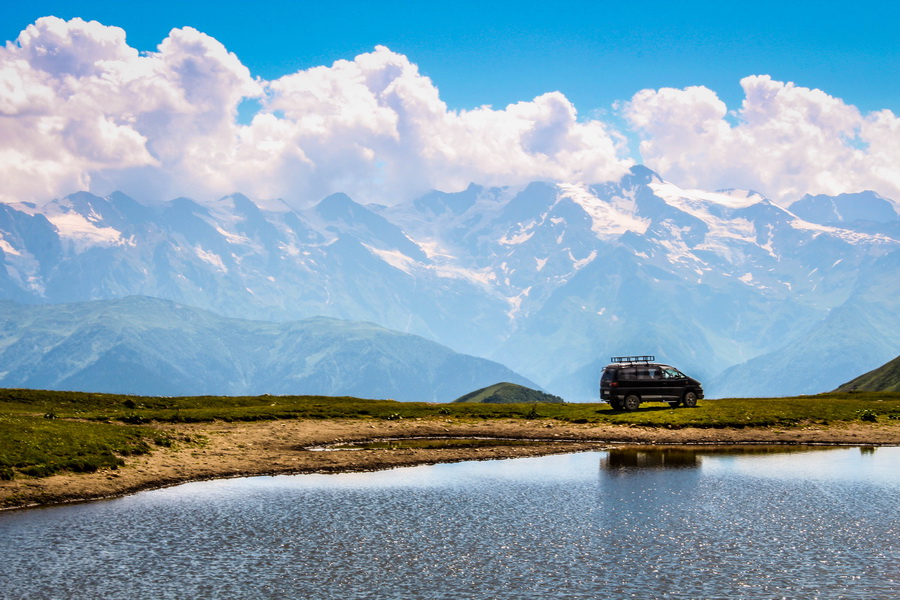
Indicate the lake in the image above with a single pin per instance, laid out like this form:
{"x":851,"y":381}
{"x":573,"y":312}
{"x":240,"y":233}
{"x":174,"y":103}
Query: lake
{"x":698,"y":522}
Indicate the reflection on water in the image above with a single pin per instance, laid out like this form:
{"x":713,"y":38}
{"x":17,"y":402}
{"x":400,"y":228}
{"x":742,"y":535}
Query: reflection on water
{"x":774,"y":522}
{"x":814,"y":524}
{"x":681,"y":457}
{"x":653,"y":458}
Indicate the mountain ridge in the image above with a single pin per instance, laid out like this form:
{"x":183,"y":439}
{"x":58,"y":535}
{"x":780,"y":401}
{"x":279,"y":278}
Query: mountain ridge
{"x":544,"y":278}
{"x":147,"y":346}
{"x":885,"y":378}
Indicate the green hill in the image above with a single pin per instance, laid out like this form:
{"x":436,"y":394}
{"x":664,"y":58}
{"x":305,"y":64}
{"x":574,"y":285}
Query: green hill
{"x":883,"y":379}
{"x":147,"y":346}
{"x":508,"y":393}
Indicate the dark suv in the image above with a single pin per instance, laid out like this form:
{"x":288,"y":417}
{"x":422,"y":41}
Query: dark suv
{"x":629,"y":380}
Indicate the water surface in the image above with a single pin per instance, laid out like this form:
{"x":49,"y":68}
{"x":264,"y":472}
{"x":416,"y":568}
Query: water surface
{"x":819,"y":523}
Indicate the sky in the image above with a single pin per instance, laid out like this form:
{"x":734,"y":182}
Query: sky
{"x":385,"y":100}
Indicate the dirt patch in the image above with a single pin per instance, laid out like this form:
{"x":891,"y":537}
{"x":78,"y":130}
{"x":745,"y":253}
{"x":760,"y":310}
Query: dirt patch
{"x":283,"y":447}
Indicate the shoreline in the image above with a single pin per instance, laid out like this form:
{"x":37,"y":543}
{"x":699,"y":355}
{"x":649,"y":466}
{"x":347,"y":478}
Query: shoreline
{"x":268,"y":448}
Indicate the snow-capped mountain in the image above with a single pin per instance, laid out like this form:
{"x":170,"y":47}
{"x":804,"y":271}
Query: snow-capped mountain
{"x":549,"y":280}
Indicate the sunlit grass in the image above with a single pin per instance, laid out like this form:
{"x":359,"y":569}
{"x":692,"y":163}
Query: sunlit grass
{"x":44,"y":432}
{"x":39,"y":446}
{"x":732,"y":412}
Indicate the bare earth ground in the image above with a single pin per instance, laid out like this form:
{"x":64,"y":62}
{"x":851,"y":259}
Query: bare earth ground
{"x":282,"y":447}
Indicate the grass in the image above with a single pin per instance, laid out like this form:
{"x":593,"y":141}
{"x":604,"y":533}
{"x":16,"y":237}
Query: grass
{"x":45,"y":432}
{"x":38,"y":446}
{"x":505,"y":392}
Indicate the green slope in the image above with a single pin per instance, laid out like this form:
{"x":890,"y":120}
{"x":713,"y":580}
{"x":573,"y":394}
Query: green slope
{"x":508,"y":393}
{"x":148,"y":346}
{"x":885,"y":378}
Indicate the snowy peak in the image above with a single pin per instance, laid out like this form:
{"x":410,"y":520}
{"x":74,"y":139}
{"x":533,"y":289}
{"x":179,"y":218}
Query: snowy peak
{"x":530,"y":204}
{"x":340,"y":208}
{"x":344,"y":217}
{"x":721,"y":203}
{"x":437,"y":203}
{"x":516,"y":274}
{"x":640,"y":175}
{"x":846,"y":208}
{"x":84,"y":220}
{"x":609,"y":218}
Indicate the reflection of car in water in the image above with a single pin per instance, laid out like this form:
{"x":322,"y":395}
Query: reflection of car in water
{"x":678,"y":457}
{"x":630,"y":380}
{"x":657,"y":458}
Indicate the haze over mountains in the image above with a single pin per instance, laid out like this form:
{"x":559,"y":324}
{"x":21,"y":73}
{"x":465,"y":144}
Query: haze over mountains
{"x":549,"y":280}
{"x":148,"y":346}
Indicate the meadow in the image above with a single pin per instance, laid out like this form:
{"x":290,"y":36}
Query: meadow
{"x":46,"y":432}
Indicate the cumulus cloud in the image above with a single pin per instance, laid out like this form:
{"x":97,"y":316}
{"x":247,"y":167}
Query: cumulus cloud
{"x":784,"y":141}
{"x":80,"y":109}
{"x":376,"y":128}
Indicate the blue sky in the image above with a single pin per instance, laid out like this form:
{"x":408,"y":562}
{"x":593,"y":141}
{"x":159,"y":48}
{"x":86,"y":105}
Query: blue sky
{"x":383,"y":100}
{"x":502,"y":52}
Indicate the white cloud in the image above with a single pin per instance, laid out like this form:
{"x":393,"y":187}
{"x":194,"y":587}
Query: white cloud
{"x":86,"y":111}
{"x":787,"y":140}
{"x":376,"y":128}
{"x":81,"y":109}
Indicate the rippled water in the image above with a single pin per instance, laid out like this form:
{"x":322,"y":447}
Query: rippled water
{"x":680,"y":524}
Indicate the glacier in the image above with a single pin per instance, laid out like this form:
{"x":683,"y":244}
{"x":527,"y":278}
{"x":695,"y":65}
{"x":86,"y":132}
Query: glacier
{"x":549,"y":279}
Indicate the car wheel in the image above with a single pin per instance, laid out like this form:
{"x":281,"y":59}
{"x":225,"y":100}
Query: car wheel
{"x":690,"y":399}
{"x":632,"y":401}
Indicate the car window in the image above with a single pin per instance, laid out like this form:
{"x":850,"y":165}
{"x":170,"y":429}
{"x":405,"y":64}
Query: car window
{"x":673,"y":373}
{"x":647,"y":373}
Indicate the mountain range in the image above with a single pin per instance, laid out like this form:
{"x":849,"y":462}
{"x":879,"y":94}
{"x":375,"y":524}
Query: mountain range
{"x":148,"y":346}
{"x":550,"y":279}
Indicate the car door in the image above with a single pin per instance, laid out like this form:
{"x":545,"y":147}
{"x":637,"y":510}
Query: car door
{"x":655,"y":383}
{"x":627,"y":381}
{"x":672,"y":382}
{"x":648,"y":382}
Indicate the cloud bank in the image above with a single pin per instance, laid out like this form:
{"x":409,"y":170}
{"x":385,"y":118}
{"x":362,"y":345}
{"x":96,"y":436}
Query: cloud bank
{"x":82,"y":110}
{"x":784,"y":141}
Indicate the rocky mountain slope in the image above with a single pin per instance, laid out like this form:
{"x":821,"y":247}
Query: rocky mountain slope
{"x":550,"y":279}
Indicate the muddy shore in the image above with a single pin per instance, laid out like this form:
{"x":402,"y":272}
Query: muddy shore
{"x":222,"y":450}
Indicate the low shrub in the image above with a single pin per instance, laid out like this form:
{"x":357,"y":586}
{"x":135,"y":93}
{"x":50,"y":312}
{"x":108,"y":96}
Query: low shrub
{"x":39,"y":470}
{"x":867,"y":415}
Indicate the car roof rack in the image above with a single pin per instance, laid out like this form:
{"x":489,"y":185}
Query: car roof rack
{"x":633,"y":359}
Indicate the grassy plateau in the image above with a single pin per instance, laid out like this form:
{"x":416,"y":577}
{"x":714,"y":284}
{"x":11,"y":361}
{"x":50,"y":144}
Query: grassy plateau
{"x":46,"y":432}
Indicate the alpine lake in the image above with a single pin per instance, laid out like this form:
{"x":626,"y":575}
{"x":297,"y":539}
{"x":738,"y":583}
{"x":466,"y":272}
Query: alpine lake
{"x":628,"y":522}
